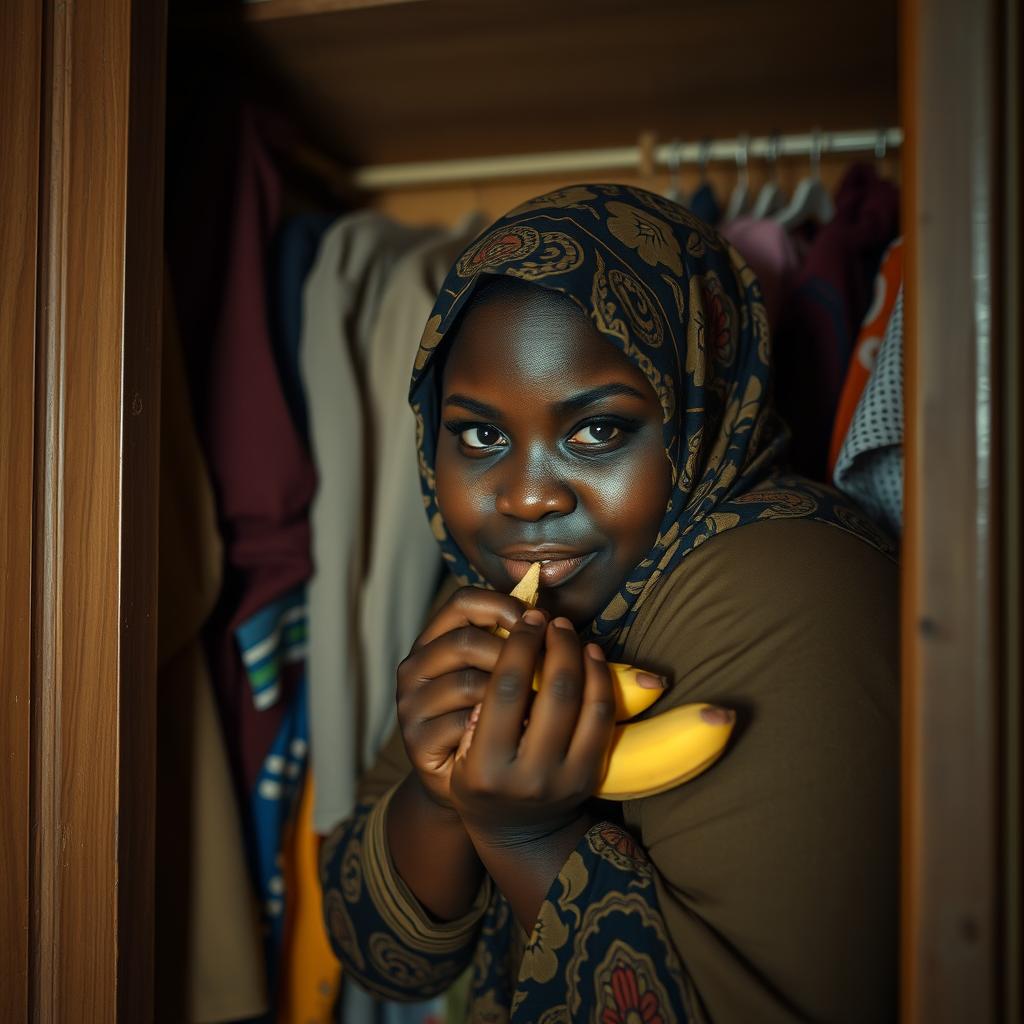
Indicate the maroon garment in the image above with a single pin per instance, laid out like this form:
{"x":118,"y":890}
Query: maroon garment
{"x":262,"y":474}
{"x":823,"y":313}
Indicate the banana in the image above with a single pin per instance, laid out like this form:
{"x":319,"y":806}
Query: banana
{"x":662,"y":752}
{"x":630,"y":697}
{"x":657,"y":754}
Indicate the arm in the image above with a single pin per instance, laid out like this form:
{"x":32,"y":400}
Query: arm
{"x":378,"y":929}
{"x":521,"y":792}
{"x":403,"y":896}
{"x":776,"y":871}
{"x":600,"y":949}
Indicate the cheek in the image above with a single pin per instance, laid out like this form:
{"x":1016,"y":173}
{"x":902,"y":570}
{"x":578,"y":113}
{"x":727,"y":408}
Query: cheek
{"x":628,"y":502}
{"x":458,"y":498}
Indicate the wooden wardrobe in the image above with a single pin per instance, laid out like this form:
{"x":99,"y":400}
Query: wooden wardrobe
{"x":83,"y":88}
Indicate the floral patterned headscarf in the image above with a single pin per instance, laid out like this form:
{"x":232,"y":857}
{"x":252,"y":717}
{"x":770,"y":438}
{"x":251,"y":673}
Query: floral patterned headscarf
{"x":682,"y":305}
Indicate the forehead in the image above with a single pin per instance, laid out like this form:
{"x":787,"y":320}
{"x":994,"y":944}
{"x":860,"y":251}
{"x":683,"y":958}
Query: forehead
{"x":533,"y":338}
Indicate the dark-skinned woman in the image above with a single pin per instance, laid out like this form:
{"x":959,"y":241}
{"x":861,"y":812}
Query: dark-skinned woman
{"x":592,"y":391}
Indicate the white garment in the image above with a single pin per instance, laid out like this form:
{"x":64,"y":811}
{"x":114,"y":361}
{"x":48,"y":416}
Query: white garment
{"x":870,"y":464}
{"x":341,"y":301}
{"x":405,"y":560}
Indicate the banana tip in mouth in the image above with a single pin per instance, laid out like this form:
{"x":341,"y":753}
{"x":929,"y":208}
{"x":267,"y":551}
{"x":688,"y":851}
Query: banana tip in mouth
{"x":550,"y":572}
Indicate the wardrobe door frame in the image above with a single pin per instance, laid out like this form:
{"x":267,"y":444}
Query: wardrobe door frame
{"x":961,"y":561}
{"x":87,"y":85}
{"x":21,"y":25}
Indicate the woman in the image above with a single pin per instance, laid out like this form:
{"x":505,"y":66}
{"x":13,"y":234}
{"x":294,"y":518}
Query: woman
{"x":591,"y":391}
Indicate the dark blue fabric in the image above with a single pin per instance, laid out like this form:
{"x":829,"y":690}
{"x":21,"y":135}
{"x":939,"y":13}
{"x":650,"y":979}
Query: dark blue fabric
{"x":599,"y":950}
{"x":681,"y":304}
{"x":294,"y":253}
{"x":704,"y":204}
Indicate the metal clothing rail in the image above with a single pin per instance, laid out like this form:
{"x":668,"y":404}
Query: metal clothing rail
{"x":668,"y":154}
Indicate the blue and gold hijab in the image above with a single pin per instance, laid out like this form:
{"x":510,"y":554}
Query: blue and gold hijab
{"x":681,"y":304}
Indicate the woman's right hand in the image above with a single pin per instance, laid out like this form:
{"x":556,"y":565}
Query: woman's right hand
{"x":444,"y":678}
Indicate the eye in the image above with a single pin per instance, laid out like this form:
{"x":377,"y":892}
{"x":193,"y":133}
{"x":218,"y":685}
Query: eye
{"x":595,"y":434}
{"x":482,"y":436}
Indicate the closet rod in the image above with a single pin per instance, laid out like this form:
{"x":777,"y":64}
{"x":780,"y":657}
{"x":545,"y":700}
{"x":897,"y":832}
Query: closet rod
{"x":667,"y":154}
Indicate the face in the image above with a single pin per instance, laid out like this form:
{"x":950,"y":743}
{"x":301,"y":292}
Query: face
{"x":550,"y":449}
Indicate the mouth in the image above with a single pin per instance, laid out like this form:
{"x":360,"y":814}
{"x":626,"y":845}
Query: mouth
{"x":556,"y":568}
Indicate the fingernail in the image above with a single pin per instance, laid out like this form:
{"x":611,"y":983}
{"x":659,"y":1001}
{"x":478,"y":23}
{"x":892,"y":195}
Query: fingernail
{"x":717,"y":716}
{"x":533,"y":617}
{"x":595,"y":652}
{"x":649,"y":681}
{"x":562,"y":622}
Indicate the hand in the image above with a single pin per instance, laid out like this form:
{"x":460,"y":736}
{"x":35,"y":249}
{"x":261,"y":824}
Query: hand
{"x":445,"y":676}
{"x":516,"y":783}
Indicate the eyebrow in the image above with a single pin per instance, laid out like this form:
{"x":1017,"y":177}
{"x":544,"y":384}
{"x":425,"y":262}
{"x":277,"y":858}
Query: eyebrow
{"x":574,"y":403}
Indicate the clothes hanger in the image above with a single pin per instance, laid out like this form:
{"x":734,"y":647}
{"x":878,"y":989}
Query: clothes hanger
{"x":811,"y":201}
{"x":704,"y":202}
{"x":675,"y":159}
{"x":740,"y":197}
{"x":881,"y":148}
{"x":770,"y":199}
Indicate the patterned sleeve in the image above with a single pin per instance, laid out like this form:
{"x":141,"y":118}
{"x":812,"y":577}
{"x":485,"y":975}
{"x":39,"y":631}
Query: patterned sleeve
{"x":380,"y":932}
{"x":600,"y":950}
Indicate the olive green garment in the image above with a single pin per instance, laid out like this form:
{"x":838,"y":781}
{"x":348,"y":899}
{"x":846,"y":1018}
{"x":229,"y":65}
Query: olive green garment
{"x":777,"y":869}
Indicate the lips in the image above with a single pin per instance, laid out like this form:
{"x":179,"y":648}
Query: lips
{"x":556,"y":567}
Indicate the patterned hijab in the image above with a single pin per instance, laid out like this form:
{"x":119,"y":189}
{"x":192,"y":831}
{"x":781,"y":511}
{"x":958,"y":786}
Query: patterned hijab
{"x":682,"y":305}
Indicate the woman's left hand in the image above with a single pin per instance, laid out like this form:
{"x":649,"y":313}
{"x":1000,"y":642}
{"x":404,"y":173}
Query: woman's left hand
{"x":516,"y":785}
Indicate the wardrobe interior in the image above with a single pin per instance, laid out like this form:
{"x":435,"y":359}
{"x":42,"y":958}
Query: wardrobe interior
{"x":430,"y":118}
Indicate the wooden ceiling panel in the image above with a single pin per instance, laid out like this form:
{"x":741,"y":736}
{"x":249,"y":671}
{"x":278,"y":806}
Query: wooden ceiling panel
{"x":437,"y":79}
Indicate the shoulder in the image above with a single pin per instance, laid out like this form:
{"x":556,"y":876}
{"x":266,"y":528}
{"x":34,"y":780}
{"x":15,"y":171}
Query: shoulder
{"x":782,"y":596}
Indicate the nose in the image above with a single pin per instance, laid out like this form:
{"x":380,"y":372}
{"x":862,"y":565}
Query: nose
{"x":530,"y":489}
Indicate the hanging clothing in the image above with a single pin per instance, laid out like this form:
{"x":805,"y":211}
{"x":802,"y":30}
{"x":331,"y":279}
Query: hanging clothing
{"x":870,"y":464}
{"x":771,"y":253}
{"x":341,"y":303}
{"x":312,"y":973}
{"x":208,"y":936}
{"x":293,"y":256}
{"x":801,"y":812}
{"x":704,"y":205}
{"x":263,"y":477}
{"x":824,"y":313}
{"x":404,"y":562}
{"x":888,"y":282}
{"x":264,"y":481}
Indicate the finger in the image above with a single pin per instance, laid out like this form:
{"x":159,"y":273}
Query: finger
{"x":467,"y":647}
{"x":472,"y":606}
{"x":453,"y":691}
{"x":596,"y":723}
{"x":438,"y":740}
{"x":509,"y":690}
{"x":467,"y":736}
{"x":556,"y":708}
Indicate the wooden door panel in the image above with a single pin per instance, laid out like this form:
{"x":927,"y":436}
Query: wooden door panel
{"x":20,"y":50}
{"x":94,"y":610}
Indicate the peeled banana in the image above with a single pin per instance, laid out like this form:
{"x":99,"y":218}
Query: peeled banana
{"x":658,"y":753}
{"x":630,"y":697}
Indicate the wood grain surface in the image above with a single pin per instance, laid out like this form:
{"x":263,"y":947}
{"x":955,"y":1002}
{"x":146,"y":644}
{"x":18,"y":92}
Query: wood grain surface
{"x":96,"y":514}
{"x":20,"y":54}
{"x":457,"y":78}
{"x":953,"y":878}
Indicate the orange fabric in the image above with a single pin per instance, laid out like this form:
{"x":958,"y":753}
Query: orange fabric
{"x":869,"y":338}
{"x":311,"y":974}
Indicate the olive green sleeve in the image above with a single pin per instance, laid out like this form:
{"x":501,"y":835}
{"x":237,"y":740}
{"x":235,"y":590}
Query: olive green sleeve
{"x":777,"y":870}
